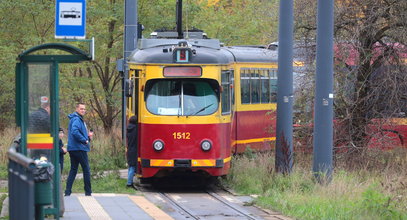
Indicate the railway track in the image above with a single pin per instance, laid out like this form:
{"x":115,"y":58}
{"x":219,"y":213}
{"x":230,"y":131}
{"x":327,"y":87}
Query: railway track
{"x":210,"y":203}
{"x":206,"y":205}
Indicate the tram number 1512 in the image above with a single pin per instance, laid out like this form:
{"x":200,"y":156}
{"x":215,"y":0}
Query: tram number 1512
{"x":181,"y":135}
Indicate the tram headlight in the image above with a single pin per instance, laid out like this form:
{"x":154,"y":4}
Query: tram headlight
{"x":158,"y":145}
{"x":206,"y":145}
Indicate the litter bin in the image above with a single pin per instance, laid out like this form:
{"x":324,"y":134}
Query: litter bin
{"x":43,"y":183}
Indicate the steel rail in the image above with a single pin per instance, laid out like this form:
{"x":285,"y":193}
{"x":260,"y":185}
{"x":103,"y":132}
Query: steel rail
{"x":228,"y":204}
{"x":173,"y":202}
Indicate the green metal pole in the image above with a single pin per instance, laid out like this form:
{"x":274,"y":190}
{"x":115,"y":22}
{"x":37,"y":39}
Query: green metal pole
{"x":55,"y":134}
{"x":24,"y":108}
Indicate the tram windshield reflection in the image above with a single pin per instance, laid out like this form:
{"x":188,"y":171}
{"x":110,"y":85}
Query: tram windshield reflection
{"x":182,"y":97}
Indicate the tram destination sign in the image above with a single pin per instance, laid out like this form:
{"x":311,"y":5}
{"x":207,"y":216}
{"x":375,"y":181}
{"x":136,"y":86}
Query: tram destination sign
{"x":70,"y":19}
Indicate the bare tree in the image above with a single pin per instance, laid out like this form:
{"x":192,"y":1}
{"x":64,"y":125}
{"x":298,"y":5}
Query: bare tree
{"x":373,"y":33}
{"x":370,"y":42}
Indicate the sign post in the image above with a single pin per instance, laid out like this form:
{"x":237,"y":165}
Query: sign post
{"x":70,"y":19}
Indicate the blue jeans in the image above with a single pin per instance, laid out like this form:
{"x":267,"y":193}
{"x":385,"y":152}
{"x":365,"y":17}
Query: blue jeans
{"x":79,"y":157}
{"x":130,"y":175}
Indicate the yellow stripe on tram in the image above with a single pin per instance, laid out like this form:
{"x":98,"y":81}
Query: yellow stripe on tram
{"x":161,"y":163}
{"x":203,"y":163}
{"x":248,"y":141}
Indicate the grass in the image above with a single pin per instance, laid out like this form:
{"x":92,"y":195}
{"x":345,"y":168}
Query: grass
{"x":110,"y":183}
{"x":2,"y":198}
{"x":376,"y":191}
{"x":372,"y":185}
{"x":7,"y":137}
{"x":107,"y":153}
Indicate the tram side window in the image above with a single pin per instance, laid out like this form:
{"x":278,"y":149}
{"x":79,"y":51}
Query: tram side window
{"x":258,"y":85}
{"x":232,"y":90}
{"x":255,"y":87}
{"x":245,"y":86}
{"x":273,"y":84}
{"x":226,"y":99}
{"x":265,"y":86}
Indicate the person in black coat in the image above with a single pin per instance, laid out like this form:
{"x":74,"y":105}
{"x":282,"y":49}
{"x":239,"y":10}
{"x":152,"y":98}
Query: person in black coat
{"x":62,"y":149}
{"x":132,"y":139}
{"x":39,"y":122}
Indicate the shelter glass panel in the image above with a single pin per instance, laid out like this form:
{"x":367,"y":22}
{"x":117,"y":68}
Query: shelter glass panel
{"x":39,"y":139}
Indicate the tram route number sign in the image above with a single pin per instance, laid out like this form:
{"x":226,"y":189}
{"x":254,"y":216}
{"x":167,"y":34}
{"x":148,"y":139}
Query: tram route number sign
{"x":70,"y":19}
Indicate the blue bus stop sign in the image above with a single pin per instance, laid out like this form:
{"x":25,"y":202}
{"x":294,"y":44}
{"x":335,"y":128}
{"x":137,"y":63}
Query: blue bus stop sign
{"x":70,"y":19}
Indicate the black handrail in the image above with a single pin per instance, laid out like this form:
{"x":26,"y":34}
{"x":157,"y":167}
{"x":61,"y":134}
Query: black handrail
{"x":19,"y":158}
{"x":20,"y":184}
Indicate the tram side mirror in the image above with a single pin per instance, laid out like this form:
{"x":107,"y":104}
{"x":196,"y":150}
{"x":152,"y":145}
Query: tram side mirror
{"x":128,"y":88}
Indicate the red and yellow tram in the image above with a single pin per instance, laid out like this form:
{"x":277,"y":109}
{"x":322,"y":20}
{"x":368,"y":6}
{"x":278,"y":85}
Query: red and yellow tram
{"x":198,"y":103}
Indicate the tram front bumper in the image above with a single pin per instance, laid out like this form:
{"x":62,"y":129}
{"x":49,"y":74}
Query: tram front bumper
{"x":184,"y":163}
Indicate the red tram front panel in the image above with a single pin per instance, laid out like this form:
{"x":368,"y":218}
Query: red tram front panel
{"x":182,"y":148}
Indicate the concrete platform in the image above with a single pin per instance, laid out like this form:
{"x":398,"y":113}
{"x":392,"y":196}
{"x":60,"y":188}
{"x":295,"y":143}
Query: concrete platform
{"x":111,"y":206}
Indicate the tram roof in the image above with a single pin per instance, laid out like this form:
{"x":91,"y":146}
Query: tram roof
{"x":208,"y":51}
{"x":253,"y":54}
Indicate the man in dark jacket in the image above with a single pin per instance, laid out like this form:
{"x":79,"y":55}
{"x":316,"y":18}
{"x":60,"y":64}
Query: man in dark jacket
{"x":39,"y":121}
{"x":78,"y":148}
{"x":132,"y":133}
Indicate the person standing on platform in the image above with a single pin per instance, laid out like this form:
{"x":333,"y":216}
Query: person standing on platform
{"x":39,"y":122}
{"x":62,"y":149}
{"x":132,"y":138}
{"x":78,"y":148}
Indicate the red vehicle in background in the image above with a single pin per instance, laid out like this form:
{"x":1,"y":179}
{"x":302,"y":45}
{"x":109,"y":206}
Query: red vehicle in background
{"x":387,"y":124}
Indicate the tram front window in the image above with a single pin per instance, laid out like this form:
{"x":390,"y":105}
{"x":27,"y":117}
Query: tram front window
{"x":185,"y":97}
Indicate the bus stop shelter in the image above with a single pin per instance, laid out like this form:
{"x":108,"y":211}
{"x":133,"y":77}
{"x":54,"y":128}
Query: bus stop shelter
{"x":37,"y":116}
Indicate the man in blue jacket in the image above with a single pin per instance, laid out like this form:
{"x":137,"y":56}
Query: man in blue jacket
{"x":78,"y":148}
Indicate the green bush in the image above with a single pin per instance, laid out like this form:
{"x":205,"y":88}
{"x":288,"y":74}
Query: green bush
{"x":352,"y":194}
{"x":376,"y":204}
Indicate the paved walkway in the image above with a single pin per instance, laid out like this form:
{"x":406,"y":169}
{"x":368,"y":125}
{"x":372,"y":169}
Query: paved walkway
{"x":105,"y":206}
{"x":101,"y":206}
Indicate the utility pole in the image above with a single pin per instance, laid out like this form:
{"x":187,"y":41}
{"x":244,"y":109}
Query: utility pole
{"x":130,"y":44}
{"x":284,"y":145}
{"x":323,"y":112}
{"x":179,"y":20}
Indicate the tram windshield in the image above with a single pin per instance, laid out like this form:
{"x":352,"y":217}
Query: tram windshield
{"x":186,"y":97}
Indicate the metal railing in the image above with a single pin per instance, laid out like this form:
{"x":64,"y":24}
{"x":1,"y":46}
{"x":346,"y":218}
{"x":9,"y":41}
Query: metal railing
{"x":20,"y":184}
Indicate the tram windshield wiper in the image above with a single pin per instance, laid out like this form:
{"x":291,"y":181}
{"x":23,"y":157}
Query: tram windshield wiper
{"x":202,"y":109}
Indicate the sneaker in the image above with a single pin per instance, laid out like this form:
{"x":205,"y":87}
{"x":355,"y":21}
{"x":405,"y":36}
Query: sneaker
{"x":88,"y":194}
{"x":66,"y":194}
{"x":131,"y":186}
